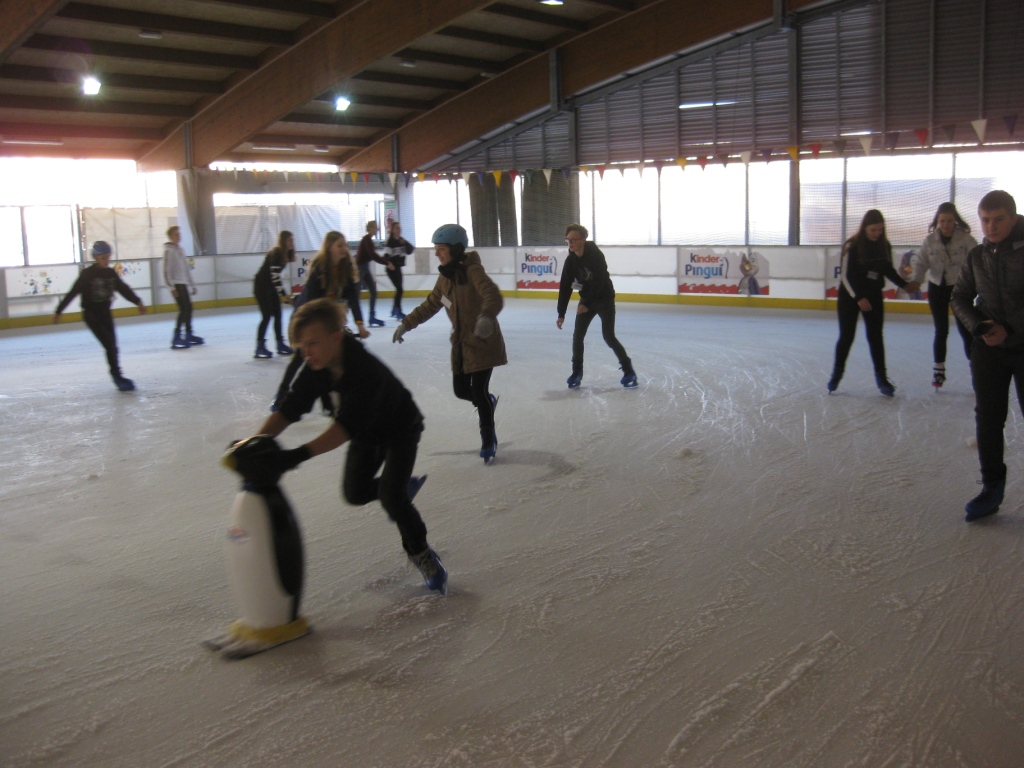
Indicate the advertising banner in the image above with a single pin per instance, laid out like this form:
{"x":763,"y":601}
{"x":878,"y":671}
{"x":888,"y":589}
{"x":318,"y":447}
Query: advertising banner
{"x":41,"y":281}
{"x":539,"y":268}
{"x":710,"y":270}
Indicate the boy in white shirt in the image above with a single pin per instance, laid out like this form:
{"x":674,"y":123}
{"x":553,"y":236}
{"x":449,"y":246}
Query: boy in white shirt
{"x":178,"y":277}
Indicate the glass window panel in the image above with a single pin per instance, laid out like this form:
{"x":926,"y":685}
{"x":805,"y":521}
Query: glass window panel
{"x":821,"y":201}
{"x":12,"y":250}
{"x":978,"y":173}
{"x":435,"y":203}
{"x":699,"y":206}
{"x":50,"y":236}
{"x":768,"y":196}
{"x":626,"y":207}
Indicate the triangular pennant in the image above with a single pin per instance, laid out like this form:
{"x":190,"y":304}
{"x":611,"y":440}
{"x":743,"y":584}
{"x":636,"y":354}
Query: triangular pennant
{"x":794,"y":153}
{"x":979,"y":128}
{"x":659,"y":165}
{"x":600,"y":171}
{"x":480,"y":176}
{"x":513,"y":174}
{"x":529,"y":176}
{"x":950,"y":132}
{"x":839,"y":145}
{"x":466,"y":175}
{"x":681,"y":162}
{"x":585,"y":169}
{"x":408,"y":178}
{"x":815,"y":150}
{"x":393,"y":177}
{"x":922,"y":136}
{"x":309,"y":176}
{"x":865,"y":143}
{"x":745,"y":157}
{"x":640,"y":167}
{"x":766,"y":155}
{"x":354,"y":175}
{"x":421,"y":176}
{"x":703,"y":161}
{"x":318,"y":176}
{"x":892,"y":139}
{"x":547,"y":175}
{"x":723,"y":158}
{"x":381,"y":177}
{"x":436,"y":177}
{"x":366,"y":177}
{"x":286,"y":176}
{"x":497,"y":178}
{"x":622,"y":171}
{"x":565,"y":174}
{"x":1010,"y":121}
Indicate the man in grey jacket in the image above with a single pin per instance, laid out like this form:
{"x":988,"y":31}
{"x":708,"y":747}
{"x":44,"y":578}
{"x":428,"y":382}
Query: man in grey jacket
{"x":994,"y":274}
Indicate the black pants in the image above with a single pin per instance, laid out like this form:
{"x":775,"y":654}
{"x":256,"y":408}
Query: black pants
{"x":366,"y":276}
{"x":184,"y":300}
{"x":473,"y":387}
{"x":360,"y":485}
{"x":270,"y":308}
{"x":938,"y":302}
{"x":848,"y":310}
{"x":395,"y":275}
{"x":992,"y":370}
{"x":606,"y":311}
{"x":101,"y":323}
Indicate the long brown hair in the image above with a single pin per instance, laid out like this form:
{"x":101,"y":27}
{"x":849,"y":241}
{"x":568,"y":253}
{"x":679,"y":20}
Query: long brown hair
{"x":857,"y":243}
{"x":334,"y":278}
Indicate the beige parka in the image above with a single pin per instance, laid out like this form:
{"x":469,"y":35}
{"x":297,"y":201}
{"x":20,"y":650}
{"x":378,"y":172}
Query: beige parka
{"x":466,"y":297}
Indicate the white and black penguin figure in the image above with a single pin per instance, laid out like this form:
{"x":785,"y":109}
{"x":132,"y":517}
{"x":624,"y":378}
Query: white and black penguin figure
{"x":264,"y":555}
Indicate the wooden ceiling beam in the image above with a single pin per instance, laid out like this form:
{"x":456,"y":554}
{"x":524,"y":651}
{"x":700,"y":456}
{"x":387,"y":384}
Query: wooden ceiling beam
{"x":469,"y":62}
{"x":623,"y":6}
{"x":122,"y":17}
{"x":305,"y":140}
{"x":340,"y":119}
{"x":66,"y":131}
{"x":296,"y":7}
{"x":508,"y":41}
{"x":658,"y":29}
{"x":111,"y":79}
{"x":87,"y":105}
{"x":540,"y":17}
{"x":368,"y":100}
{"x":394,"y":78}
{"x":154,"y":53}
{"x":20,"y":19}
{"x":339,"y":49}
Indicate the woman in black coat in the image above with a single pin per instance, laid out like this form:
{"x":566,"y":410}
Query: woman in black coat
{"x":269,"y":292}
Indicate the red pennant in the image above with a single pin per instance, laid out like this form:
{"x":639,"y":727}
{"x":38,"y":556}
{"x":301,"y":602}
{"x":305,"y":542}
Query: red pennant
{"x":366,"y":178}
{"x":702,"y":161}
{"x":922,"y":136}
{"x":513,"y":173}
{"x":815,"y":150}
{"x":600,"y":170}
{"x":435,"y":176}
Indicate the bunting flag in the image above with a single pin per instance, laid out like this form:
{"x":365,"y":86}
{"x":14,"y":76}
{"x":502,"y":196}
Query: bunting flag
{"x":393,"y":177}
{"x":745,"y":157}
{"x":622,"y":171}
{"x":892,"y":139}
{"x":513,"y":174}
{"x":922,"y":136}
{"x":794,"y":153}
{"x":354,"y":175}
{"x":286,"y":177}
{"x":950,"y":132}
{"x":366,"y":177}
{"x":408,"y":178}
{"x":723,"y":158}
{"x":1011,"y":124}
{"x":585,"y":169}
{"x":309,"y":176}
{"x":979,"y":128}
{"x":381,"y":177}
{"x":547,"y":175}
{"x":640,"y":167}
{"x":865,"y":143}
{"x":815,"y":150}
{"x":436,"y":177}
{"x":466,"y":175}
{"x":767,"y":155}
{"x":497,"y":178}
{"x":565,"y":174}
{"x":681,"y":162}
{"x":317,"y":176}
{"x":529,"y":176}
{"x":839,"y":145}
{"x":703,"y":161}
{"x":600,"y":171}
{"x":480,"y":176}
{"x":658,"y":165}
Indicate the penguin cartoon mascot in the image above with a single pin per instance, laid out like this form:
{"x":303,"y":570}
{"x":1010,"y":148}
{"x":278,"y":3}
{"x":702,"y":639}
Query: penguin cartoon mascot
{"x":264,"y":554}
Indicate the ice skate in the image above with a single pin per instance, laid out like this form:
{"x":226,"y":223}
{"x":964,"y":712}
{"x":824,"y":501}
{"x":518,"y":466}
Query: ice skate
{"x":628,"y":379}
{"x":885,"y":386}
{"x":178,"y":341}
{"x":123,"y":384}
{"x":985,"y":503}
{"x":262,"y":353}
{"x":938,"y":376}
{"x":283,"y":349}
{"x":193,"y":340}
{"x":575,"y":379}
{"x":375,"y":322}
{"x":833,"y":383}
{"x":434,"y":574}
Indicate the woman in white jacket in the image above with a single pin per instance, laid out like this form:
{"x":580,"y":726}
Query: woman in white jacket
{"x":943,"y":252}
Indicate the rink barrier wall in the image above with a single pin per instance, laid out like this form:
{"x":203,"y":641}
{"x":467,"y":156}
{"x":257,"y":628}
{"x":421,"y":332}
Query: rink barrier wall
{"x":800,"y":278}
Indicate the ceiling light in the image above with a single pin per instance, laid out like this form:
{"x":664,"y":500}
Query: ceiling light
{"x":856,"y":133}
{"x":703,"y":104}
{"x":488,"y":74}
{"x":321,"y":149}
{"x":36,"y":142}
{"x":407,"y":63}
{"x":151,"y":34}
{"x":341,"y":103}
{"x":551,"y":2}
{"x":90,"y":86}
{"x":274,"y":147}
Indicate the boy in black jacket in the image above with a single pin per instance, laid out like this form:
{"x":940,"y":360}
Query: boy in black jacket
{"x":96,"y":284}
{"x":586,"y":269}
{"x":372,"y":411}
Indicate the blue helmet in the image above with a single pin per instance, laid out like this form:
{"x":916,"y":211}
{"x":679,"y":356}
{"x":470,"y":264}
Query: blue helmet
{"x":451,"y":234}
{"x":101,"y":247}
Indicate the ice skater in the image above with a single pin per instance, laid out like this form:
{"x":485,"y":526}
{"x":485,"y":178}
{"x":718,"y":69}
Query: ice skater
{"x":372,"y":412}
{"x":269,"y":293}
{"x":366,"y":254}
{"x":585,"y":268}
{"x":96,"y":285}
{"x":473,"y":302}
{"x":866,"y":262}
{"x":988,"y":297}
{"x":178,"y":278}
{"x":397,"y":248}
{"x":943,"y":253}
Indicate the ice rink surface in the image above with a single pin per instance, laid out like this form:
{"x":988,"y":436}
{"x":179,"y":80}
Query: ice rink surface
{"x":724,"y":567}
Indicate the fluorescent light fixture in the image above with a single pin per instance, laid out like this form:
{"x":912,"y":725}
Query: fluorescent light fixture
{"x":552,"y":2}
{"x":704,"y":104}
{"x":151,"y":34}
{"x":36,"y":142}
{"x":321,"y":149}
{"x":90,"y":86}
{"x":857,"y":133}
{"x":273,"y":147}
{"x":407,"y":63}
{"x":341,"y":103}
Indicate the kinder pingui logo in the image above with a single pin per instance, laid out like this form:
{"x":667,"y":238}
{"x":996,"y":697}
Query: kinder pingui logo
{"x":539,"y":265}
{"x":706,"y":266}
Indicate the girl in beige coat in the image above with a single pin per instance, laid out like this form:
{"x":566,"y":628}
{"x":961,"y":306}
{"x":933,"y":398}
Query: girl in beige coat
{"x":473,"y":302}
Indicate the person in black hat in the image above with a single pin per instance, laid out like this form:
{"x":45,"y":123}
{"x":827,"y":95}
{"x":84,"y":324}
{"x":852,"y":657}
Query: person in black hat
{"x":96,"y":285}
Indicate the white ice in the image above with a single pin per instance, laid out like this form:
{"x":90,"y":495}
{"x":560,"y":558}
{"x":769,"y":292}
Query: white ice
{"x":725,"y":567}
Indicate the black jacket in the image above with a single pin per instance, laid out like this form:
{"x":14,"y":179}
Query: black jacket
{"x":97,"y":285}
{"x":994,"y":275}
{"x":268,"y":278}
{"x":864,"y":270}
{"x":591,"y":271}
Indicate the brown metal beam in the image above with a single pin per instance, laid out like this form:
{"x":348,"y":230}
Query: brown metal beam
{"x":477,"y":36}
{"x":111,"y":79}
{"x":66,"y":131}
{"x":305,"y":140}
{"x":436,"y":83}
{"x":484,"y":65}
{"x":339,"y":49}
{"x":19,"y":20}
{"x":659,"y":29}
{"x":122,"y":17}
{"x":297,"y":7}
{"x":341,"y":119}
{"x":623,"y":6}
{"x":140,"y":52}
{"x":550,"y":19}
{"x":93,"y":106}
{"x":372,"y":101}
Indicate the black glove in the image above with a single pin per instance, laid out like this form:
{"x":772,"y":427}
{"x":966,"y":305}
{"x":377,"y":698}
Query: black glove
{"x":260,"y":460}
{"x":983,"y":327}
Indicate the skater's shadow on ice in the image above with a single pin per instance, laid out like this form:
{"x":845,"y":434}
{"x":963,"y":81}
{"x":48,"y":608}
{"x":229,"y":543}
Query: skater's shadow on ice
{"x":555,"y":463}
{"x":583,"y":391}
